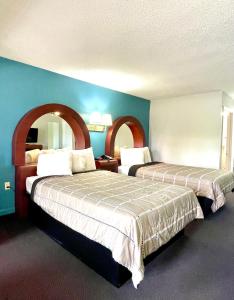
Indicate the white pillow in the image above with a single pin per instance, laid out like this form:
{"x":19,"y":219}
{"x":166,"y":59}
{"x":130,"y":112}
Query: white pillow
{"x":31,"y":156}
{"x":131,"y":156}
{"x":47,"y":151}
{"x":28,"y":158}
{"x":84,"y":156}
{"x":146,"y":153}
{"x":56,"y":163}
{"x":78,"y":161}
{"x":147,"y":156}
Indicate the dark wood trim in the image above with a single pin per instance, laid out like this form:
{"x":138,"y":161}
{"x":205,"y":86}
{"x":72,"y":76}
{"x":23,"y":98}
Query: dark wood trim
{"x":21,"y":198}
{"x":135,"y":127}
{"x":109,"y":165}
{"x":33,"y":146}
{"x":81,"y":134}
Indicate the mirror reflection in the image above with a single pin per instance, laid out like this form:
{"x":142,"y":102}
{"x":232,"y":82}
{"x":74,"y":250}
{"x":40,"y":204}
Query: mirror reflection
{"x":50,"y":132}
{"x":124,"y":138}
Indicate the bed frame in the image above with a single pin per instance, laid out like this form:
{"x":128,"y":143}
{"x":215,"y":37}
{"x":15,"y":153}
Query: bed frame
{"x":91,"y":253}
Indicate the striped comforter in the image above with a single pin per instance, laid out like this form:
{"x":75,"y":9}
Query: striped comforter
{"x":130,"y":216}
{"x":209,"y":183}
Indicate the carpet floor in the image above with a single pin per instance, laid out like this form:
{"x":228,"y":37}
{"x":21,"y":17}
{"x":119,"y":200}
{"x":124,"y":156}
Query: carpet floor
{"x":199,"y":265}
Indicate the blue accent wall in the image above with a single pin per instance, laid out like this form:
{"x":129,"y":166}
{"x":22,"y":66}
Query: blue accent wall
{"x":23,"y":87}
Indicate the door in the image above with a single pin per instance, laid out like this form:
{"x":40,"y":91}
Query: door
{"x":53,"y":135}
{"x":227,"y":155}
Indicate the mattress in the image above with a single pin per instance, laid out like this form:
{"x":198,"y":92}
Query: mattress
{"x":130,"y":216}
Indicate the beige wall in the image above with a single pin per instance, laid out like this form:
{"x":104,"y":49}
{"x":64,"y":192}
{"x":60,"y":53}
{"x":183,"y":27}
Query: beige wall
{"x":124,"y":137}
{"x":187,"y":130}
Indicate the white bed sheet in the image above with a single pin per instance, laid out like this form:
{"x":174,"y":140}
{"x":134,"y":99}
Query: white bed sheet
{"x":29,"y":183}
{"x":123,"y":169}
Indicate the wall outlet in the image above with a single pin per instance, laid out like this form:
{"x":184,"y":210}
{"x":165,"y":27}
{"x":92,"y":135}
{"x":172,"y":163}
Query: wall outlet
{"x":7,"y":185}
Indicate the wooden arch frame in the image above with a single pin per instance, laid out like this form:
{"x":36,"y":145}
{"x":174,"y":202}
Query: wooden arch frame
{"x":135,"y":127}
{"x":80,"y":131}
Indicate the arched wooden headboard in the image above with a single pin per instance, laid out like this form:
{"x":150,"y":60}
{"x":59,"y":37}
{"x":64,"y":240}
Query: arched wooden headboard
{"x":22,"y":171}
{"x":135,"y":127}
{"x":80,"y":131}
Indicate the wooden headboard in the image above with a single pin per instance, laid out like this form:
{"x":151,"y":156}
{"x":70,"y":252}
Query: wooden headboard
{"x":33,"y":146}
{"x":135,"y":127}
{"x":22,"y":170}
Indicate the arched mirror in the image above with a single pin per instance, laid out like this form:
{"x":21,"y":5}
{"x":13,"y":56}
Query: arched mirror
{"x":50,"y":131}
{"x":124,"y":138}
{"x":126,"y":131}
{"x":80,"y":132}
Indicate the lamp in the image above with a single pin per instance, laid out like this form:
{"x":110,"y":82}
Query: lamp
{"x":95,"y":118}
{"x":98,"y":122}
{"x":56,"y":113}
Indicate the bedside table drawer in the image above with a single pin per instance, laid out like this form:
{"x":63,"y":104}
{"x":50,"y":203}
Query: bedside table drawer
{"x":108,"y":165}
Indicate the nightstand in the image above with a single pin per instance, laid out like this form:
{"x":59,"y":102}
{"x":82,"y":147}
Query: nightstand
{"x":109,"y":165}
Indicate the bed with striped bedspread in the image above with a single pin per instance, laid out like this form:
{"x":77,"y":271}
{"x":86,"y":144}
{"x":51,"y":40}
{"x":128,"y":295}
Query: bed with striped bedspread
{"x":205,"y":182}
{"x":130,"y":216}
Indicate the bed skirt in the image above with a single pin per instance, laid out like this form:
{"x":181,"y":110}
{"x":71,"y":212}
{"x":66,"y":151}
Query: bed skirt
{"x":205,"y":205}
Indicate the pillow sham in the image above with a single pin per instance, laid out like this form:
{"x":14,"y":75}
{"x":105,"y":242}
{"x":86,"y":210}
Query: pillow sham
{"x":83,"y":160}
{"x":31,"y":156}
{"x":48,"y":151}
{"x":147,"y":156}
{"x":55,"y":163}
{"x":27,"y":158}
{"x":78,"y":162}
{"x":131,"y":156}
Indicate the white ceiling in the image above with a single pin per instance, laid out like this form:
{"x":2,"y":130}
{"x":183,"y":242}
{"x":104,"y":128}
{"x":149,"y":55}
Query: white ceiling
{"x":148,"y":48}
